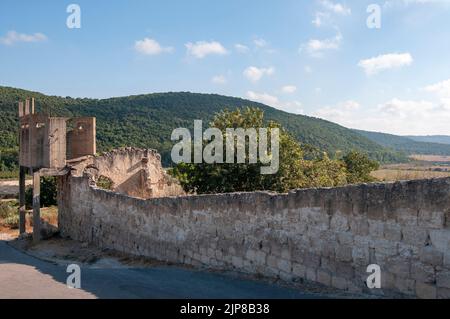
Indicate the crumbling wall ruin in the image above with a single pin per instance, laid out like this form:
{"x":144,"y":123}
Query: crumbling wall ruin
{"x":132,"y":171}
{"x":328,"y":236}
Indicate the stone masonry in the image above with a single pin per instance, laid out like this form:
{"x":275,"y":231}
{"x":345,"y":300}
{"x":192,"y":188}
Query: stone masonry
{"x":328,"y":236}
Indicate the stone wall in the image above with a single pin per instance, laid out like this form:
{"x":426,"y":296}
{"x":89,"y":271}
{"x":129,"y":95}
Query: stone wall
{"x":328,"y":236}
{"x":132,"y":171}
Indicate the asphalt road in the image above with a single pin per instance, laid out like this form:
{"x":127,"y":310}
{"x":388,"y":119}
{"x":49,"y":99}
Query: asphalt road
{"x":23,"y":276}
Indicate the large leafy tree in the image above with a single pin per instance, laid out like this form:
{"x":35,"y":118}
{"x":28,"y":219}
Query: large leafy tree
{"x":297,"y":169}
{"x":359,"y":167}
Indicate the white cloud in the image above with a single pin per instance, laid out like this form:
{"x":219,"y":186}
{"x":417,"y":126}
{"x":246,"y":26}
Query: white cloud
{"x":316,"y":47}
{"x":320,"y":18}
{"x":384,"y":62}
{"x":396,"y":116}
{"x":260,"y":43}
{"x":392,"y":3}
{"x":271,"y":100}
{"x":339,"y":112}
{"x":201,"y":49}
{"x":263,"y":98}
{"x":289,"y":89}
{"x":241,"y":48}
{"x":405,"y":108}
{"x":149,"y":46}
{"x":337,"y":8}
{"x":13,"y":37}
{"x":442,"y":89}
{"x":255,"y":74}
{"x":219,"y":79}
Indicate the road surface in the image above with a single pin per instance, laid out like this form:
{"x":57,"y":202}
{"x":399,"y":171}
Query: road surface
{"x":23,"y":276}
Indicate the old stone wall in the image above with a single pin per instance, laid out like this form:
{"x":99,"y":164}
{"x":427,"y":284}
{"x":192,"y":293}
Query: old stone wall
{"x":131,"y":171}
{"x":328,"y":236}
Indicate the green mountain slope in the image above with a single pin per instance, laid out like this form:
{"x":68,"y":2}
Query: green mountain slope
{"x":406,"y":144}
{"x":441,"y":139}
{"x":148,"y":120}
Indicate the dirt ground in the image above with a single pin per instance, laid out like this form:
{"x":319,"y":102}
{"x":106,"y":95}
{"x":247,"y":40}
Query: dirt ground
{"x":63,"y":251}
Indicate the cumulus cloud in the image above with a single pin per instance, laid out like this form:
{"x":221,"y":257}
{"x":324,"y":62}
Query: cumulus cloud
{"x":320,"y":18}
{"x":13,"y":37}
{"x":396,"y":116}
{"x":393,"y":3}
{"x":271,"y":100}
{"x":219,"y":79}
{"x":201,"y":49}
{"x":338,"y":112}
{"x":149,"y":46}
{"x":442,"y":89}
{"x":263,"y":98}
{"x":260,"y":43}
{"x":255,"y":74}
{"x":241,"y":48}
{"x":289,"y":89}
{"x":316,"y":47}
{"x":337,"y":8}
{"x":385,"y":62}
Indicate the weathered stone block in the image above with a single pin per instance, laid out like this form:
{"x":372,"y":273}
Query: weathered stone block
{"x":431,"y":256}
{"x":284,"y":265}
{"x":392,"y":232}
{"x":443,"y":279}
{"x":423,"y":272}
{"x":299,"y":270}
{"x":311,"y":274}
{"x":323,"y":277}
{"x":345,"y":238}
{"x":376,"y":228}
{"x":414,"y":235}
{"x":399,"y":267}
{"x":426,"y":291}
{"x":440,"y":239}
{"x":339,"y":283}
{"x":405,"y":286}
{"x":359,"y":226}
{"x":406,"y":217}
{"x":387,"y":280}
{"x":431,"y":219}
{"x":339,"y":223}
{"x":344,"y":253}
{"x":443,"y":293}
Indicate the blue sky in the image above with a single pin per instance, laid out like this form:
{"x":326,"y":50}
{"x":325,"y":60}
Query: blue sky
{"x":315,"y":57}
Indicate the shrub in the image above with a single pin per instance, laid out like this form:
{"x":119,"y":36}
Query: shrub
{"x":48,"y":193}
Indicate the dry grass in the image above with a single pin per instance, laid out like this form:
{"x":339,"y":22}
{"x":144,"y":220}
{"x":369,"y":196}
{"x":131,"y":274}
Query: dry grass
{"x":410,"y":174}
{"x":431,"y":158}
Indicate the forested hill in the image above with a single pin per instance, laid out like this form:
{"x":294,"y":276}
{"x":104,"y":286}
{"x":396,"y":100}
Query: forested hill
{"x":407,"y":144}
{"x":148,"y":120}
{"x":441,"y":139}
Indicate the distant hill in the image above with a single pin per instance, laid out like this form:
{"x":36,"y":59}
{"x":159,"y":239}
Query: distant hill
{"x":406,"y":144}
{"x":148,"y":120}
{"x":441,"y":139}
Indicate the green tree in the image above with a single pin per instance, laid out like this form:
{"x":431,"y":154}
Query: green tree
{"x":359,"y":167}
{"x":48,"y":193}
{"x":294,"y":170}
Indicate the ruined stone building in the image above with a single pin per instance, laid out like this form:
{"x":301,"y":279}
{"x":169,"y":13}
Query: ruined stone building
{"x":329,"y":235}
